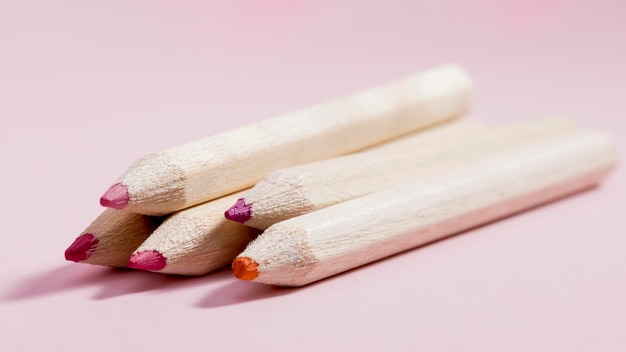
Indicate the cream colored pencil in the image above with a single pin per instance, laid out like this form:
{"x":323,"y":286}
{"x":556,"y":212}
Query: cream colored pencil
{"x":206,"y":169}
{"x":111,"y":238}
{"x":193,"y":241}
{"x":294,"y":191}
{"x":316,"y":245}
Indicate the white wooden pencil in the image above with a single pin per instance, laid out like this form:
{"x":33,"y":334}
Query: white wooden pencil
{"x":193,"y":241}
{"x":208,"y":168}
{"x":111,"y":238}
{"x":316,"y":245}
{"x":294,"y":191}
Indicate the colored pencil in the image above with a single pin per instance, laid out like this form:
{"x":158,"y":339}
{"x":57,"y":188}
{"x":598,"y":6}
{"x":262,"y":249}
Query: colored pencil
{"x":111,"y":238}
{"x":326,"y":242}
{"x":193,"y":241}
{"x":294,"y":191}
{"x":212,"y":167}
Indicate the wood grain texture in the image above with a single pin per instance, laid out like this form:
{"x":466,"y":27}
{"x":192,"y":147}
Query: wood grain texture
{"x":198,"y":240}
{"x":294,"y":191}
{"x":209,"y":168}
{"x":314,"y":246}
{"x":115,"y":234}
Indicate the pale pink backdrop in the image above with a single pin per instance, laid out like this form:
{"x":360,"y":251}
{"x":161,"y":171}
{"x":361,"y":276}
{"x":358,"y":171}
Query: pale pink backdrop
{"x":87,"y":87}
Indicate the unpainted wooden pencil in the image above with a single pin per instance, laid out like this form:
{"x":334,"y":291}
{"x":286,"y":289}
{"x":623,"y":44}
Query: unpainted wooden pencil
{"x":294,"y":191}
{"x":194,"y":241}
{"x":326,"y":242}
{"x":205,"y":169}
{"x":111,"y":238}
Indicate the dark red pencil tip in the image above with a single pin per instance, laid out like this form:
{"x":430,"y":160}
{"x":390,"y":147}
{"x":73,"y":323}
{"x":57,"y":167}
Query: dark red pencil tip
{"x":240,"y":212}
{"x":81,"y":248}
{"x":116,"y":197}
{"x":147,"y":260}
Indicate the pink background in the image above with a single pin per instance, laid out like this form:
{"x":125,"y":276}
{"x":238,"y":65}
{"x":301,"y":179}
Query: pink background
{"x":87,"y":87}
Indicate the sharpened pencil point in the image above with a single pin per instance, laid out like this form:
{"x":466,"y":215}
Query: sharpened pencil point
{"x":81,"y":248}
{"x":116,"y":197}
{"x":240,"y":212}
{"x":245,"y":268}
{"x":147,"y":260}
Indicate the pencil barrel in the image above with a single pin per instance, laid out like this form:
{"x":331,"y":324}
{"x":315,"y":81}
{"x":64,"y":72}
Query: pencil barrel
{"x":111,"y":238}
{"x":209,"y":168}
{"x":314,"y":246}
{"x":294,"y":191}
{"x":197,"y":240}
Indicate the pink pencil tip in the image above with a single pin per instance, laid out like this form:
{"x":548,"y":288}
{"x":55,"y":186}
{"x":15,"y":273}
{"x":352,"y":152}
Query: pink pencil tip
{"x":81,"y":248}
{"x":116,"y":197}
{"x":147,"y":260}
{"x":240,"y":212}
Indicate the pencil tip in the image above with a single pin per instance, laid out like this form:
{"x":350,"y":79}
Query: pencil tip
{"x":116,"y":197}
{"x":240,"y":212}
{"x":147,"y":260}
{"x":81,"y":248}
{"x":245,"y":268}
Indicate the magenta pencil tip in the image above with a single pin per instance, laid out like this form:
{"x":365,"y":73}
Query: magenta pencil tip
{"x":116,"y":197}
{"x":81,"y":248}
{"x":147,"y":260}
{"x":240,"y":212}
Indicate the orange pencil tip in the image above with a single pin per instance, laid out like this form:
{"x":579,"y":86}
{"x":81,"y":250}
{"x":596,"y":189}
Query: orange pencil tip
{"x":245,"y":268}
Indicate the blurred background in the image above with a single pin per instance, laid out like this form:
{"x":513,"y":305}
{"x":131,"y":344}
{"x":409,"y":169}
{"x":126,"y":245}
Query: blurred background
{"x":87,"y":87}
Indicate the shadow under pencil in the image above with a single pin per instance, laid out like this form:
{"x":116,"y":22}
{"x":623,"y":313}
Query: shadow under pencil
{"x":238,"y":292}
{"x":136,"y":281}
{"x":57,"y":280}
{"x":114,"y":282}
{"x":118,"y":282}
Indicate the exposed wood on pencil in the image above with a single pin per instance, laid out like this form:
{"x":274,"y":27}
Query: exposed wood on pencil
{"x":208,"y":168}
{"x":193,"y":241}
{"x":316,"y":245}
{"x":111,"y":238}
{"x":288,"y":192}
{"x":294,"y":191}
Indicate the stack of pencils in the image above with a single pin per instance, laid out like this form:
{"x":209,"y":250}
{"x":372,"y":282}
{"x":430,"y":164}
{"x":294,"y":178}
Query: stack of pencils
{"x":309,"y":194}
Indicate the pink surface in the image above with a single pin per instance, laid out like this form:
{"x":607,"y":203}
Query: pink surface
{"x":86,"y":88}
